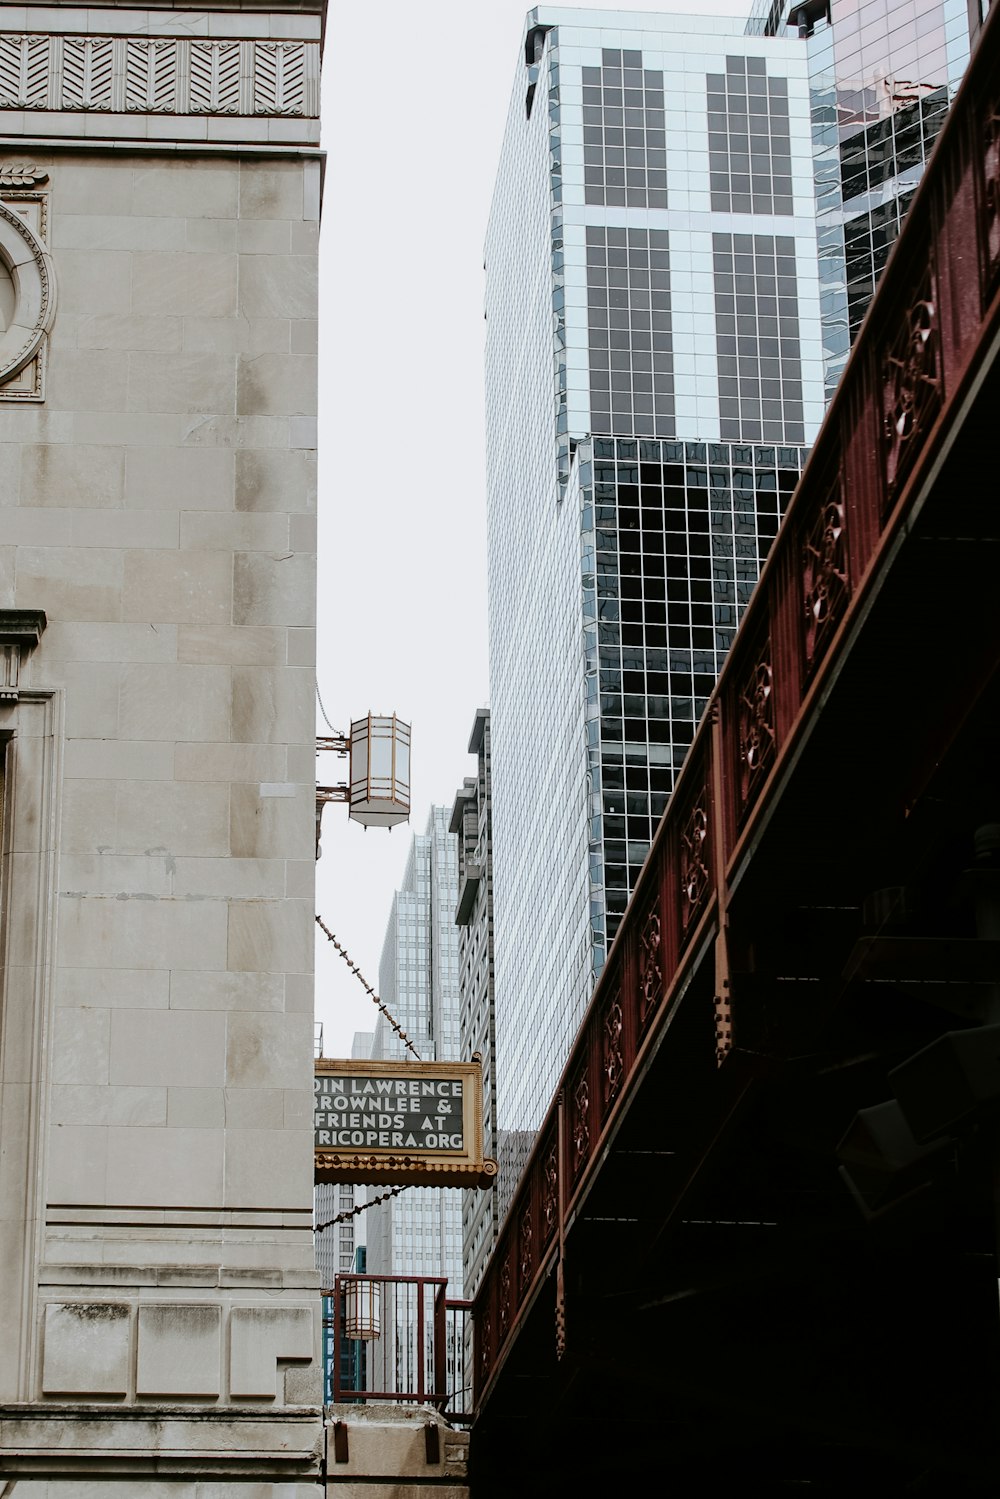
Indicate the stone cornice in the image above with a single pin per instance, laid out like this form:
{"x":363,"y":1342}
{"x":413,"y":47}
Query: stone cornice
{"x":20,"y":632}
{"x":185,"y":7}
{"x":90,"y":146}
{"x":22,"y":627}
{"x":79,"y":1439}
{"x":275,"y":7}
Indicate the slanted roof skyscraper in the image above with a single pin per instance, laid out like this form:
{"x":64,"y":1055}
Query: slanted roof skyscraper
{"x":654,"y":372}
{"x":689,"y":222}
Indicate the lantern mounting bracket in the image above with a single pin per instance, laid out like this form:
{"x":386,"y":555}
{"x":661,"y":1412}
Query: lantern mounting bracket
{"x":377,"y":790}
{"x":339,"y":744}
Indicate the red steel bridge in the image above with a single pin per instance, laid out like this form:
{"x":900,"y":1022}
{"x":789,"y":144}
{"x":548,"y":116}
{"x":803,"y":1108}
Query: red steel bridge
{"x":755,"y":1244}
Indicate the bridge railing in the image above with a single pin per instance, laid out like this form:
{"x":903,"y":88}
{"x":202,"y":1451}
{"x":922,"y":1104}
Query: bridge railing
{"x":913,"y":365}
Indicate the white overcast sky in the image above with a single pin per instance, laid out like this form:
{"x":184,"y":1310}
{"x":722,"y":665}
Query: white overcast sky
{"x":414,"y":104}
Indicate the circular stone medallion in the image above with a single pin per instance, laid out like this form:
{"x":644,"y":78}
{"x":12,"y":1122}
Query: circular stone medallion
{"x":34,"y":303}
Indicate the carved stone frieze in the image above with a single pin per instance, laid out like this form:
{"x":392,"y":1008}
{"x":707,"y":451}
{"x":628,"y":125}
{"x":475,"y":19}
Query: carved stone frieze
{"x":279,"y":77}
{"x":21,"y":174}
{"x":159,"y":75}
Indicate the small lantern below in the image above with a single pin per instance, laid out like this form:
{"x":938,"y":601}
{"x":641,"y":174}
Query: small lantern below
{"x":380,"y":771}
{"x":362,"y":1309}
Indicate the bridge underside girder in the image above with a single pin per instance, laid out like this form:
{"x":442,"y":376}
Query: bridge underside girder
{"x":734,"y":1310}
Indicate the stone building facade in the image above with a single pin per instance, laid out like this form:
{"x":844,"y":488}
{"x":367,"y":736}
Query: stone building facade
{"x":159,"y":208}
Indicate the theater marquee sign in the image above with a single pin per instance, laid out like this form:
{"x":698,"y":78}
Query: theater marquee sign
{"x":400,"y":1124}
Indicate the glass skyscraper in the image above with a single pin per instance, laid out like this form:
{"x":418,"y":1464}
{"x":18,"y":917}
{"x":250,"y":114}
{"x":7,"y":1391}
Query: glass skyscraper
{"x":471,"y":821}
{"x":655,"y":369}
{"x":882,"y":74}
{"x":420,"y":1231}
{"x":689,"y":221}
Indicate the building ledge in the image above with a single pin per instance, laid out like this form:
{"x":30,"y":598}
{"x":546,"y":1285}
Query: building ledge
{"x":45,"y":1440}
{"x":467,"y":894}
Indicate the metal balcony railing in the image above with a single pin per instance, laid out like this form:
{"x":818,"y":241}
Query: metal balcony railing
{"x":399,"y":1338}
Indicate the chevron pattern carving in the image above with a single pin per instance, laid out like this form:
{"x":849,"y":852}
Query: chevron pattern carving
{"x":140,"y":75}
{"x":279,"y":79}
{"x":215,"y":78}
{"x":24,"y":71}
{"x":151,"y":76}
{"x":87,"y":72}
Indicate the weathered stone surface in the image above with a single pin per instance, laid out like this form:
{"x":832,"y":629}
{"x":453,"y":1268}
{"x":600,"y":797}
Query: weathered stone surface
{"x":179,"y":1350}
{"x":86,"y":1348}
{"x":260,"y":1338}
{"x":155,"y":1074}
{"x":387,"y":1453}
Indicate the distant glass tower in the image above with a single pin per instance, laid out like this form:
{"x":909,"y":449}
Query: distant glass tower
{"x":420,"y":1232}
{"x":881,"y":78}
{"x":471,"y":821}
{"x":655,"y":368}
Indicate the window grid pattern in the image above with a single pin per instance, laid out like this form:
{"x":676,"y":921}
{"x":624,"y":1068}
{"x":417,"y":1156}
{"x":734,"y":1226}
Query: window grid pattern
{"x":895,"y":43}
{"x":420,"y":1233}
{"x":629,"y":334}
{"x":757,"y":337}
{"x":679,"y":534}
{"x":749,"y":139}
{"x":898,"y":143}
{"x":868,"y":240}
{"x":477,"y":1015}
{"x":537,"y":721}
{"x":624,"y":133}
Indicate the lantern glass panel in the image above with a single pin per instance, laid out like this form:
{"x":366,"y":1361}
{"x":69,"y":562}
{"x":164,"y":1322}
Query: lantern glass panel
{"x":359,"y":752}
{"x":403,"y":760}
{"x":381,"y":750}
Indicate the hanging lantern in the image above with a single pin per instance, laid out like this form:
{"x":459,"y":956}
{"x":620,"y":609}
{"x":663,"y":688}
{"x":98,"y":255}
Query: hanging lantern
{"x":380,"y":771}
{"x":362,"y":1309}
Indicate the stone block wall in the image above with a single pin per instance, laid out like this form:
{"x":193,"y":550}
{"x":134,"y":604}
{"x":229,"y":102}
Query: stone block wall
{"x":157,"y":502}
